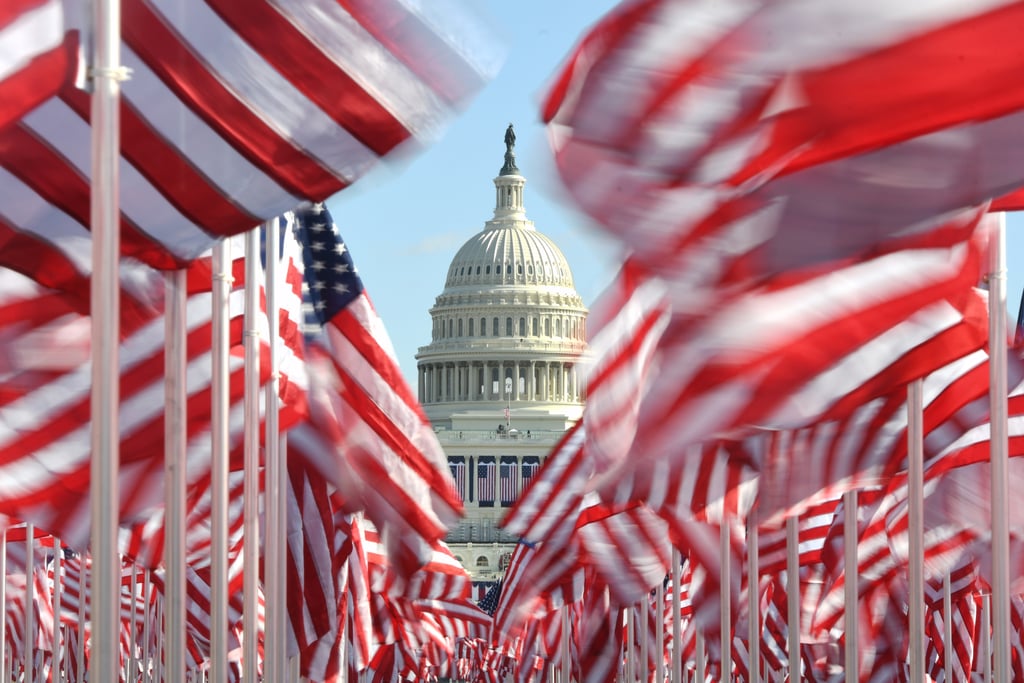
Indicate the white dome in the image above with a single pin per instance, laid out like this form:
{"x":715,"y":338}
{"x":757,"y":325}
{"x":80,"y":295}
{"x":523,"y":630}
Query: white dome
{"x":509,"y":255}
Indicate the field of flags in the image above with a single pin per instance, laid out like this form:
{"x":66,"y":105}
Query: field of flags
{"x":797,"y":450}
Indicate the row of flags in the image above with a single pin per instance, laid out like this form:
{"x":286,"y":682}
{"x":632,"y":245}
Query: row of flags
{"x":805,"y":241}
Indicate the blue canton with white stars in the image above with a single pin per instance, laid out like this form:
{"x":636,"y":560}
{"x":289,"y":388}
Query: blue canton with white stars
{"x":330,"y":274}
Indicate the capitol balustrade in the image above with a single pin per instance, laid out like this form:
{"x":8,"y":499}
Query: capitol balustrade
{"x":480,"y":531}
{"x":537,"y":436}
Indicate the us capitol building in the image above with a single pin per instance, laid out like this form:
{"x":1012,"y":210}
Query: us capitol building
{"x":500,"y":379}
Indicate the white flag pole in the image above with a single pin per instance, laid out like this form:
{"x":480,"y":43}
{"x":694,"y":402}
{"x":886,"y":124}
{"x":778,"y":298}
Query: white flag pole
{"x":275,"y":596}
{"x":753,"y":600}
{"x":677,"y":615}
{"x":147,"y":636}
{"x":999,"y":450}
{"x":915,"y":530}
{"x":222,"y":280}
{"x":133,"y":633}
{"x":175,"y":458}
{"x":84,"y":592}
{"x":3,"y":601}
{"x":630,"y":641}
{"x":250,"y":496}
{"x":850,"y":568}
{"x":726,"y":616}
{"x":105,"y":323}
{"x":29,"y":637}
{"x":566,"y":664}
{"x":793,"y":595}
{"x":947,"y":626}
{"x":700,"y":671}
{"x":659,"y":634}
{"x":986,"y":637}
{"x":58,"y":652}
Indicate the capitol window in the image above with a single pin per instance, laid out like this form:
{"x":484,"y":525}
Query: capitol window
{"x":508,"y":327}
{"x":494,"y":328}
{"x":534,"y":327}
{"x":470,"y":327}
{"x":460,"y":327}
{"x":478,"y":270}
{"x":508,"y":269}
{"x":519,"y":269}
{"x":483,"y":327}
{"x":482,"y":562}
{"x":488,"y":270}
{"x":522,"y":327}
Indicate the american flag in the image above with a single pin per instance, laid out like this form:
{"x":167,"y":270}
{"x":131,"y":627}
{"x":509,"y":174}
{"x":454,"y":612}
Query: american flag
{"x":485,"y":481}
{"x":33,"y":54}
{"x":234,"y":113}
{"x":490,"y":600}
{"x":531,"y":463}
{"x":458,"y":468}
{"x":371,"y":439}
{"x":508,"y":475}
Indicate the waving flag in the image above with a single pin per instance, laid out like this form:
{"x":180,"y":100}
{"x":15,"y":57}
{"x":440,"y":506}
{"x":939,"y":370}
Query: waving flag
{"x":367,"y":434}
{"x":234,"y":113}
{"x":33,"y":55}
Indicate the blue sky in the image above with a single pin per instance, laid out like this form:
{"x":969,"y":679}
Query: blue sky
{"x":405,"y":221}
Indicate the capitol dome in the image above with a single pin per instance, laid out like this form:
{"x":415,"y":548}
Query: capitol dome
{"x":509,"y":326}
{"x":507,"y":254}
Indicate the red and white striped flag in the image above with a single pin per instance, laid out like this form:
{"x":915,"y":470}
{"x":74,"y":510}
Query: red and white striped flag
{"x":367,"y":434}
{"x":234,"y":114}
{"x":35,"y":51}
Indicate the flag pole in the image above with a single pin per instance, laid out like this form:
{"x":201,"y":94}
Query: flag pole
{"x":58,"y":651}
{"x":947,"y":626}
{"x":724,"y":585}
{"x":250,"y":494}
{"x":999,"y":450}
{"x":28,"y":641}
{"x":753,"y":601}
{"x":3,"y":601}
{"x":793,"y":595}
{"x":915,"y":509}
{"x":219,"y":466}
{"x":275,"y":597}
{"x":659,"y":634}
{"x":850,"y":585}
{"x":105,"y":318}
{"x":175,"y":457}
{"x":677,"y":616}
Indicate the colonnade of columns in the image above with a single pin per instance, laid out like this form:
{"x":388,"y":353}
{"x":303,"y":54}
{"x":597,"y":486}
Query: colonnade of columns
{"x":544,"y":381}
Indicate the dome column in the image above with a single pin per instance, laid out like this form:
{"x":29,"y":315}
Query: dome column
{"x":531,"y":383}
{"x":515,"y":381}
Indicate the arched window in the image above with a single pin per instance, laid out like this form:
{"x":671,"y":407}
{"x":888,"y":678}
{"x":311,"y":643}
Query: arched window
{"x":494,"y":327}
{"x":508,"y":327}
{"x":482,"y":562}
{"x":450,"y":327}
{"x":519,"y":269}
{"x":460,"y":327}
{"x":471,"y":327}
{"x":522,"y":327}
{"x":558,"y":327}
{"x":508,"y":269}
{"x":547,"y":327}
{"x":529,"y":270}
{"x":483,"y":327}
{"x":534,"y":323}
{"x":478,"y":270}
{"x":488,"y":270}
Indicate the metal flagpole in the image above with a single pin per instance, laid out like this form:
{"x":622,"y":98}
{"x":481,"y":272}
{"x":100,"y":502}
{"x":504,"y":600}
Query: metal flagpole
{"x":28,"y":641}
{"x":726,"y":616}
{"x":677,"y":615}
{"x":630,"y":640}
{"x":58,"y":652}
{"x":947,"y":624}
{"x":986,"y":637}
{"x":643,"y":619}
{"x":566,"y":664}
{"x":84,"y":589}
{"x":175,"y":458}
{"x":219,"y":466}
{"x":251,"y":492}
{"x":793,"y":595}
{"x":700,"y":669}
{"x":275,"y":598}
{"x":915,"y":531}
{"x":753,"y":600}
{"x":659,"y":635}
{"x":3,"y":601}
{"x":133,"y":634}
{"x":147,"y":596}
{"x":999,"y":450}
{"x":850,"y":568}
{"x":105,"y":319}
